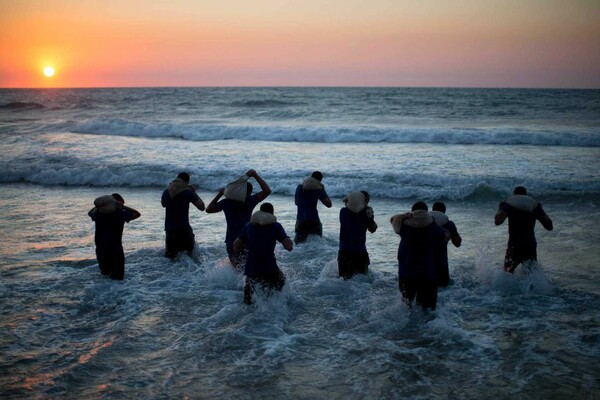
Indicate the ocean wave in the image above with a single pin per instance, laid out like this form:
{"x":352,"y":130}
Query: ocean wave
{"x":21,"y":105}
{"x":265,"y":103}
{"x":400,"y":186}
{"x":556,"y":136}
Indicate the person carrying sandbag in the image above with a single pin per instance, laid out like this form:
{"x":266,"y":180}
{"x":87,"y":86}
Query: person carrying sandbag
{"x":176,"y":200}
{"x":307,"y":196}
{"x":238,"y":204}
{"x":110,"y":215}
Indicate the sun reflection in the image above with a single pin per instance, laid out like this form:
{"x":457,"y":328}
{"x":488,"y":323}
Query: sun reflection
{"x":88,"y":356}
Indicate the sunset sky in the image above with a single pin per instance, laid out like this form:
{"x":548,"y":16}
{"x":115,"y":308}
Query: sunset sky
{"x":455,"y":43}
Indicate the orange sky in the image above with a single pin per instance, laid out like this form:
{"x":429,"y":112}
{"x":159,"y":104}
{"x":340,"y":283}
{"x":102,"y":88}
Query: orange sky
{"x":476,"y":43}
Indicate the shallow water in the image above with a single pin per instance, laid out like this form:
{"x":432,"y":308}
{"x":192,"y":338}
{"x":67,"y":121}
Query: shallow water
{"x":180,"y":329}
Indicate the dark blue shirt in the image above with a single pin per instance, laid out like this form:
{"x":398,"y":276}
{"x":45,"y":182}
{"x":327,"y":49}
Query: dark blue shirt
{"x":417,"y":251}
{"x":178,"y":210}
{"x":353,"y":230}
{"x":442,"y":271}
{"x":443,"y":251}
{"x":109,"y":229}
{"x":237,"y":214}
{"x":521,"y":225}
{"x":306,"y":201}
{"x":260,"y":241}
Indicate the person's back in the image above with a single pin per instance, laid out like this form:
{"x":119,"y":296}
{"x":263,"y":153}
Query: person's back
{"x":109,"y":228}
{"x":261,"y":241}
{"x":110,"y":215}
{"x":356,"y":217}
{"x":307,"y":201}
{"x":176,"y":199}
{"x":177,"y":209}
{"x":522,"y":212}
{"x":307,"y":196}
{"x":260,"y":236}
{"x":521,"y":225}
{"x":237,"y":215}
{"x":420,"y":240}
{"x":353,"y":229}
{"x":238,"y":212}
{"x":417,"y":250}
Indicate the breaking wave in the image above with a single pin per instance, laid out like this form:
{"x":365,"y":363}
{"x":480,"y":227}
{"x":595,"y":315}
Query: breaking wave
{"x":555,"y":136}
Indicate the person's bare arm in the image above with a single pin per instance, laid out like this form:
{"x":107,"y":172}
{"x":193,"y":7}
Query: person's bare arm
{"x":199,"y":204}
{"x":456,"y":240}
{"x":327,"y":202}
{"x":238,"y":245}
{"x":287,"y":244}
{"x":545,"y":221}
{"x":500,"y":216}
{"x":135,"y":213}
{"x":373,"y":227}
{"x":212,"y":206}
{"x":265,"y":189}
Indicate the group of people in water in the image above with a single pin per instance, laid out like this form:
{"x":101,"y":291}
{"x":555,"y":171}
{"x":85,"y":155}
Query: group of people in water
{"x":251,"y":237}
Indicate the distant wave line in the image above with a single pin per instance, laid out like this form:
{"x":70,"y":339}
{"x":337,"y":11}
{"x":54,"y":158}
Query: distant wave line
{"x":583,"y":137}
{"x":17,"y":105}
{"x":402,"y":187}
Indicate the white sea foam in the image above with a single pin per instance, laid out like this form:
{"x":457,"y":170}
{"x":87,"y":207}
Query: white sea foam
{"x":390,"y":171}
{"x":549,"y":136}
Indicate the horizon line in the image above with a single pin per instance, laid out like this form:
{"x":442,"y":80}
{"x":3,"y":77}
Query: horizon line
{"x":299,"y":87}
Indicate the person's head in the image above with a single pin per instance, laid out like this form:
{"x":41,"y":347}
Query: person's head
{"x":118,"y":198}
{"x":520,"y":190}
{"x":248,"y":188}
{"x":184,"y":176}
{"x":419,"y":205}
{"x":317,"y":175}
{"x":439,"y":206}
{"x":267,"y":207}
{"x":367,"y":197}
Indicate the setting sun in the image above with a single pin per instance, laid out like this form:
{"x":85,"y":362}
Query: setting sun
{"x":49,"y":72}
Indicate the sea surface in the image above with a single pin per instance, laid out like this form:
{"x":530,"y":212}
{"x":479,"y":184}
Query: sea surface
{"x":180,"y":329}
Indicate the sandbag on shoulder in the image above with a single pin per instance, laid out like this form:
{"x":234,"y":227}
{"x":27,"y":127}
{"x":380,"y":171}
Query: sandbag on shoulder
{"x":237,"y":189}
{"x":355,"y":202}
{"x":522,"y":202}
{"x":311,"y":183}
{"x":177,"y":186}
{"x":419,"y":219}
{"x":263,"y":218}
{"x":439,"y":217}
{"x":105,"y":204}
{"x":397,"y":220}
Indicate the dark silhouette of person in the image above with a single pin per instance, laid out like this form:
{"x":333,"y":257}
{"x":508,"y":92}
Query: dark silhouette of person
{"x":420,"y":239}
{"x":439,"y":215}
{"x":176,"y":199}
{"x":308,"y":194}
{"x":522,"y":212}
{"x":260,"y":236}
{"x":110,"y":215}
{"x":237,"y":215}
{"x":356,"y":218}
